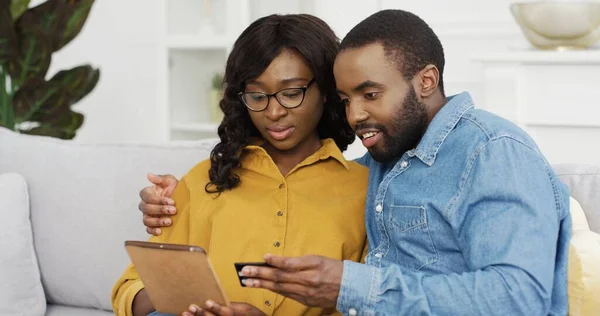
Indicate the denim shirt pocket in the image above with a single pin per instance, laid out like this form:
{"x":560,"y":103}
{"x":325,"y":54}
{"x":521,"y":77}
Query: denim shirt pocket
{"x":411,"y":237}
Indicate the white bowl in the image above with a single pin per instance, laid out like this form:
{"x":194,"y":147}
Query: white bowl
{"x":559,"y":25}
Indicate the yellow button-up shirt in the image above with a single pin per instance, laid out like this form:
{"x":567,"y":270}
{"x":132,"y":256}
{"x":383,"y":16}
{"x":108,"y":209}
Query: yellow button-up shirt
{"x":317,"y":208}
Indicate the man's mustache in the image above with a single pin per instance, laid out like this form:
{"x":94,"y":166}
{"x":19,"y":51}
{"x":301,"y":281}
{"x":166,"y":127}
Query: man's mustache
{"x":370,"y":126}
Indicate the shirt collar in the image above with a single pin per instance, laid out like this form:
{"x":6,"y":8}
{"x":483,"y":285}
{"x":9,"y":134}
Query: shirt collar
{"x":441,"y":125}
{"x":328,"y":149}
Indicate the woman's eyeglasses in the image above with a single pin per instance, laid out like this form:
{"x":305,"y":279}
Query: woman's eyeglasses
{"x":288,"y":98}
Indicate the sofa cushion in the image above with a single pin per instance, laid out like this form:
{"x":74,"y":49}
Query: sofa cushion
{"x":584,"y":265}
{"x":578,"y":218}
{"x":59,"y":310}
{"x":584,"y":185}
{"x":584,"y":273}
{"x":84,"y":200}
{"x":21,"y":289}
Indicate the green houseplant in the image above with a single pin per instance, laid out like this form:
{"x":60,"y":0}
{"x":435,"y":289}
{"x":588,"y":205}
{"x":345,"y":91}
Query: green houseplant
{"x":30,"y":103}
{"x":215,"y":94}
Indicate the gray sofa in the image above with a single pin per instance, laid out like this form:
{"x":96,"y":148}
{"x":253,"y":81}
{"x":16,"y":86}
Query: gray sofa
{"x":83,"y":204}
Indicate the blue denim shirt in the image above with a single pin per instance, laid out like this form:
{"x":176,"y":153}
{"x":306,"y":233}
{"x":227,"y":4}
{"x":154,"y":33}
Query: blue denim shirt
{"x":471,"y":222}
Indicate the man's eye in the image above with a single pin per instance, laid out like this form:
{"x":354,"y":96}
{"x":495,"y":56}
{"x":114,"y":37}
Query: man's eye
{"x":371,"y":95}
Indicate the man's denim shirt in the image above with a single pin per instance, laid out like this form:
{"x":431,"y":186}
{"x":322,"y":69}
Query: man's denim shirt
{"x":471,"y":222}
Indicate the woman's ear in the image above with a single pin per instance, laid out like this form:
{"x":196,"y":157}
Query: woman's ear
{"x":429,"y":80}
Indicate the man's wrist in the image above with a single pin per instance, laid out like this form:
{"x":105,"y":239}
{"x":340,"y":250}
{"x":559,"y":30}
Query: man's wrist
{"x":357,"y":288}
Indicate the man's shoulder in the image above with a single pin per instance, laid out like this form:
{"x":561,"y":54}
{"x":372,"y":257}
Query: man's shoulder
{"x":484,"y":127}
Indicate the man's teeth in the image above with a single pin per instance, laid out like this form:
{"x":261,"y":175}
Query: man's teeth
{"x":368,"y":135}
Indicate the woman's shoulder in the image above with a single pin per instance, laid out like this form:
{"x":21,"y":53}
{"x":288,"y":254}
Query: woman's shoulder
{"x":357,"y":169}
{"x":197,"y":175}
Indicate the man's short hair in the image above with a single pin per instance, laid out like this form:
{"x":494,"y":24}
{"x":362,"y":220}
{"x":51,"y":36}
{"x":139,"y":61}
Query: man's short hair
{"x":406,"y":38}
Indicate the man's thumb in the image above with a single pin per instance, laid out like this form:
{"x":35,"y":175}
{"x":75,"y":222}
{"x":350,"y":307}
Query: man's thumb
{"x":156,"y":180}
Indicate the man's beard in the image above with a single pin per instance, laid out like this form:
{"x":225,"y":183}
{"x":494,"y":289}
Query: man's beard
{"x":409,"y":126}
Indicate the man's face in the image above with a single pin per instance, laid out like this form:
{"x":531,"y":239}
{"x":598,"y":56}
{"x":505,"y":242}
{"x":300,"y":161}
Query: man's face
{"x":381,"y":106}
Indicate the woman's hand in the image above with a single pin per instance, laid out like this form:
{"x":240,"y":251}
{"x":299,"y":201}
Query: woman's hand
{"x":213,"y":309}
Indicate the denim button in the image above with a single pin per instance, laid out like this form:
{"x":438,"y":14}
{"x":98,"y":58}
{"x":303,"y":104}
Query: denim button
{"x":404,"y":164}
{"x":352,"y":312}
{"x":378,"y":208}
{"x":379,"y":255}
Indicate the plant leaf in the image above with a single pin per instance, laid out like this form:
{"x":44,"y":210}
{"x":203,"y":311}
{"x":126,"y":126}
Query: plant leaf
{"x":7,"y":118}
{"x":76,"y":13}
{"x":71,"y":120}
{"x":53,"y":108}
{"x":8,"y":37}
{"x":40,"y":101}
{"x":66,"y":127}
{"x":78,"y":81}
{"x":18,"y":7}
{"x":60,"y":20}
{"x":51,"y":131}
{"x":34,"y":56}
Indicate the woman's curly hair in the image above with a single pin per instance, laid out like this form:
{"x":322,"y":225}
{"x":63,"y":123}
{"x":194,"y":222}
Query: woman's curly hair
{"x":252,"y":53}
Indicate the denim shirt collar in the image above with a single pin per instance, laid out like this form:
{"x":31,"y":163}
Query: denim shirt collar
{"x":441,"y":125}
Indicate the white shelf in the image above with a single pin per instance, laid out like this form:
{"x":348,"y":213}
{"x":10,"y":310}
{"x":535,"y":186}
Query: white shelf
{"x":589,"y":56}
{"x":195,"y":127}
{"x":208,"y":42}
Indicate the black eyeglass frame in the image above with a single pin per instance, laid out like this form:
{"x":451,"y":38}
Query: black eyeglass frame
{"x":303,"y":89}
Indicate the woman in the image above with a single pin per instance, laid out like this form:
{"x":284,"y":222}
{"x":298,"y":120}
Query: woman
{"x":277,"y":181}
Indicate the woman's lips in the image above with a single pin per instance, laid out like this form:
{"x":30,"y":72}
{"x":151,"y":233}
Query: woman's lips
{"x":280,"y":133}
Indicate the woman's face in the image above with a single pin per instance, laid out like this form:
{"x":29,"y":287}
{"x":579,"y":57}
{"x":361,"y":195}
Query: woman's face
{"x":287,"y":128}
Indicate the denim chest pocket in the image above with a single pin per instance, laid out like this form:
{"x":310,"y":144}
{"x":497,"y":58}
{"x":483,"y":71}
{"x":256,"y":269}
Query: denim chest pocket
{"x":410,"y":236}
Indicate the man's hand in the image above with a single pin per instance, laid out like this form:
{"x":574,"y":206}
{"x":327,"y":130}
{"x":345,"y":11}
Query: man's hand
{"x":311,"y":280}
{"x":157,"y":204}
{"x":213,"y":309}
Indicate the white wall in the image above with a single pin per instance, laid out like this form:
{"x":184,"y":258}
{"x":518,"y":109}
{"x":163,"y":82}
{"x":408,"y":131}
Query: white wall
{"x":123,"y":38}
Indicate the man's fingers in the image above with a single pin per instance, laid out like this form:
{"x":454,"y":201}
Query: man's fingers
{"x":266,"y":273}
{"x":156,"y":210}
{"x":155,"y":179}
{"x":293,"y":264}
{"x":150,"y":197}
{"x":156,"y":222}
{"x":285,"y":289}
{"x":296,"y":292}
{"x":154,"y":231}
{"x":167,"y":182}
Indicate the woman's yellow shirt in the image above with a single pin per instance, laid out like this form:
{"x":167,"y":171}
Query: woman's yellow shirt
{"x":317,"y":208}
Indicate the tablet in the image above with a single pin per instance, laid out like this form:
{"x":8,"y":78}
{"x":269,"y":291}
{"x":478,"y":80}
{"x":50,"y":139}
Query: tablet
{"x":175,"y":276}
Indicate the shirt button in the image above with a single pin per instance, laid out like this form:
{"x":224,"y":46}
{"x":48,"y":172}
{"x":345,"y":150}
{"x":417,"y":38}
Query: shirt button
{"x":352,"y":312}
{"x":379,"y":255}
{"x":280,"y":213}
{"x":281,"y":186}
{"x":276,"y":244}
{"x":404,"y":164}
{"x":268,"y":303}
{"x":379,"y":208}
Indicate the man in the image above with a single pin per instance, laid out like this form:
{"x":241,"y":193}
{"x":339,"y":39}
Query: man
{"x":464,"y":214}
